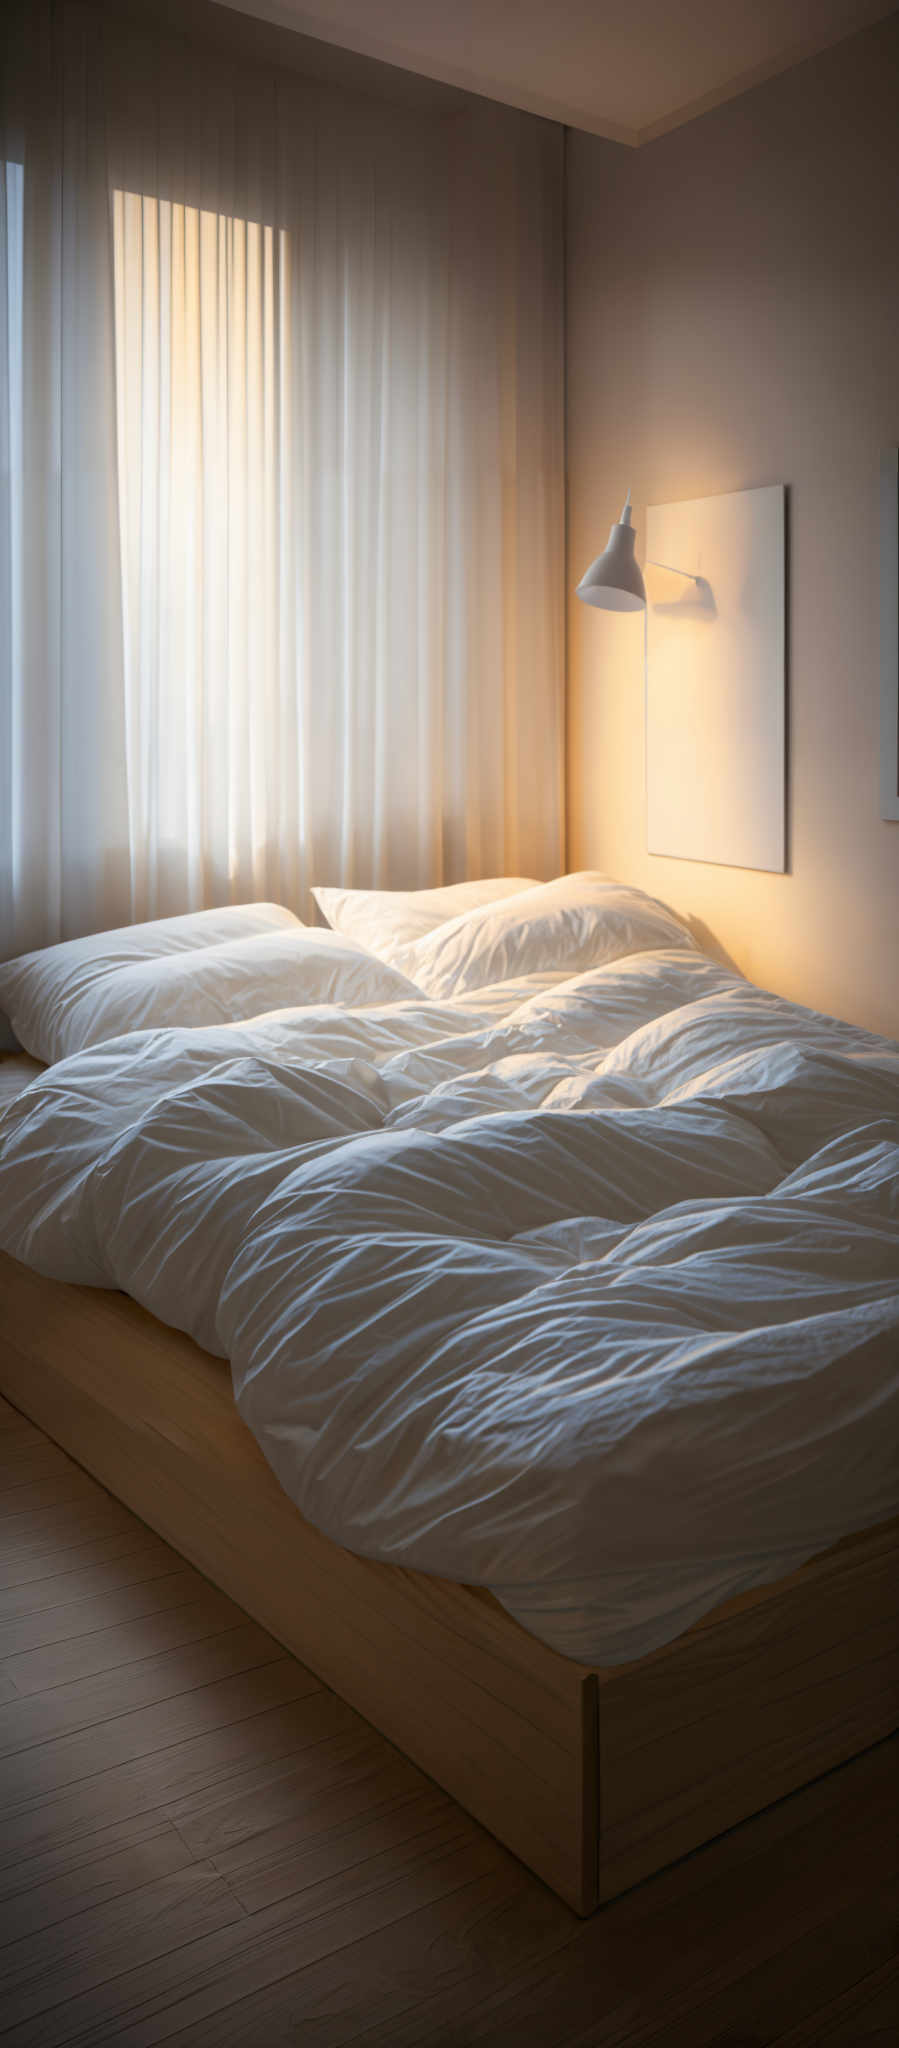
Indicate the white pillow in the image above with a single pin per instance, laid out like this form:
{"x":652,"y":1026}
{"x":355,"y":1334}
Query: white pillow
{"x":229,"y":983}
{"x":38,"y":990}
{"x":210,"y":966}
{"x":566,"y":926}
{"x":385,"y":920}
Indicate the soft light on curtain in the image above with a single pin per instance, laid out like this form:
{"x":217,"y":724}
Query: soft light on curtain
{"x":281,"y":477}
{"x":215,"y":784}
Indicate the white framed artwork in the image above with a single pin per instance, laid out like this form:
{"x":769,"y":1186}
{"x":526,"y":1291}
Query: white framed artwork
{"x":716,"y":679}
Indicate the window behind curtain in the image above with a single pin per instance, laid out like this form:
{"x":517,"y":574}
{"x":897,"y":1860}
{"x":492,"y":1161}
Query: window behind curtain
{"x":12,"y":199}
{"x":202,"y":347}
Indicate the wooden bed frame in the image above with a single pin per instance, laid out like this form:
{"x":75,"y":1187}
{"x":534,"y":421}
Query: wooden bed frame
{"x":594,"y":1778}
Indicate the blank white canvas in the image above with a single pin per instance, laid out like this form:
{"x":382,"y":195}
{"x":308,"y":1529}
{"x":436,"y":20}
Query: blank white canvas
{"x":715,"y":709}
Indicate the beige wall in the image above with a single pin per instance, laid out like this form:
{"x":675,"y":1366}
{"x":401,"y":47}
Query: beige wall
{"x":733,"y":320}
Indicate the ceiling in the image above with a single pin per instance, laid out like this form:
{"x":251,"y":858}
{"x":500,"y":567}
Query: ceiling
{"x":626,"y":69}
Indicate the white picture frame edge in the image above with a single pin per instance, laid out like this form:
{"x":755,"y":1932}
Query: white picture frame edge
{"x":889,"y":634}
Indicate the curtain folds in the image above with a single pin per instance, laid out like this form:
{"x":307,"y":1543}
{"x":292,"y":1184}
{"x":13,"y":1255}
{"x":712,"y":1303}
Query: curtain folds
{"x":281,"y":483}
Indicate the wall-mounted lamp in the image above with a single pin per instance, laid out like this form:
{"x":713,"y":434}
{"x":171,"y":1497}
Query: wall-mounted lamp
{"x":614,"y":583}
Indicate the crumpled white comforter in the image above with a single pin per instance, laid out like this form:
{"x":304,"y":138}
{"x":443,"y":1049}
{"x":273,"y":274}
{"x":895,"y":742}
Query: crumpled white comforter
{"x":588,"y":1294}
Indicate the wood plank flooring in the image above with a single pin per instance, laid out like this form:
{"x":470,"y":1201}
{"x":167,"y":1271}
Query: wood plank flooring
{"x":199,"y":1844}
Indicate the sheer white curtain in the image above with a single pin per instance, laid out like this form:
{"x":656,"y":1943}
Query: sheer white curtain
{"x":281,"y":474}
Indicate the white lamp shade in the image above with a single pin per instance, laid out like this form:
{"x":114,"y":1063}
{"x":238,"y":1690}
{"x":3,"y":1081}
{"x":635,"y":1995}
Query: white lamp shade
{"x":614,"y":583}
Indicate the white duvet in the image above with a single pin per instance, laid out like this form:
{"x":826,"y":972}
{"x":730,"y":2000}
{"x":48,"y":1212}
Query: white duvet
{"x":576,"y":1275}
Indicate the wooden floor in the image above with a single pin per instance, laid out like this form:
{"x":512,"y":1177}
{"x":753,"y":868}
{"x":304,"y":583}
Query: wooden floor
{"x":200,"y":1844}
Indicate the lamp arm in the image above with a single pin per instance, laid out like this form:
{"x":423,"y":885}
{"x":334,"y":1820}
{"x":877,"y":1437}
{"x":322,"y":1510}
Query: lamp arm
{"x":690,"y":578}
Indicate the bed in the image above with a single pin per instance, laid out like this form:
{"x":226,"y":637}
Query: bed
{"x":558,"y":1278}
